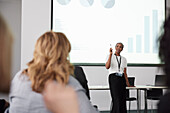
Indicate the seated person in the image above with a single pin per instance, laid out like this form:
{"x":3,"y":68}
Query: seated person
{"x":50,"y":63}
{"x":5,"y":64}
{"x":164,"y":55}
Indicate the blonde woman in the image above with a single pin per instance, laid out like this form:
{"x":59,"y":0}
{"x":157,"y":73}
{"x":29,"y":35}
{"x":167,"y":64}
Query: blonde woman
{"x":50,"y":63}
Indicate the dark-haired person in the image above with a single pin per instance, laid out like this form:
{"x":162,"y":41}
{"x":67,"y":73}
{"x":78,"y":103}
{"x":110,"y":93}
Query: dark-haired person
{"x":164,"y":54}
{"x":5,"y":61}
{"x":5,"y":56}
{"x":118,"y":80}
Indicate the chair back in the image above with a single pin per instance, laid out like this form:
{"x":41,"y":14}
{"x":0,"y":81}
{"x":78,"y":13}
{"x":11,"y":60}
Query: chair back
{"x":131,"y":80}
{"x":155,"y":94}
{"x":160,"y":80}
{"x":81,"y":77}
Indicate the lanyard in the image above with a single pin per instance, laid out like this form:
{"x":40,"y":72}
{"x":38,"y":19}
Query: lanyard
{"x":119,"y":63}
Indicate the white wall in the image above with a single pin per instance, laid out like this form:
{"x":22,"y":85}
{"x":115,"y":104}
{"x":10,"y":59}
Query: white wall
{"x":35,"y":20}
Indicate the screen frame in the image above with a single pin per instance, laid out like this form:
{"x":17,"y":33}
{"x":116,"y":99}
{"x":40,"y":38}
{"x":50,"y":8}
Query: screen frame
{"x":103,"y":64}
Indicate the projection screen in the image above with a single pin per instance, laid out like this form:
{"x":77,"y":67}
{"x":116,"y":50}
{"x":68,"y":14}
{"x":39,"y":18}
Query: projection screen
{"x":93,"y":25}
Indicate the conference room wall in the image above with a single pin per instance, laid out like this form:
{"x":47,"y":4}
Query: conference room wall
{"x":36,"y":18}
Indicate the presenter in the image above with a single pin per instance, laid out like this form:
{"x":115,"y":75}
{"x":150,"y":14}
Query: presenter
{"x":118,"y":80}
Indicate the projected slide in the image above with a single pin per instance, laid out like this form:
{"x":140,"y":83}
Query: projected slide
{"x":92,"y":25}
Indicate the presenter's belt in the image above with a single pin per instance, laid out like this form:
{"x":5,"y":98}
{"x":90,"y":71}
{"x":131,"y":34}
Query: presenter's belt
{"x":118,"y":74}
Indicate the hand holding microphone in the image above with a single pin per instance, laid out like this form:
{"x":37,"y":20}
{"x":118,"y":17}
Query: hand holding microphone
{"x":111,"y":50}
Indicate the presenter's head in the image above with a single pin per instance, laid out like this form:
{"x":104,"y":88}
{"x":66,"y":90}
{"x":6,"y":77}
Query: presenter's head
{"x":119,"y":47}
{"x":50,"y":60}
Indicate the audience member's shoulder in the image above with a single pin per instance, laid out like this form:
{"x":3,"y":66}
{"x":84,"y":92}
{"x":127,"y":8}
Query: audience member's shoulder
{"x":74,"y":83}
{"x":20,"y":76}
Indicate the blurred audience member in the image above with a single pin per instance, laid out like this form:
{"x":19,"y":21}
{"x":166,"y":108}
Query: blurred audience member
{"x":5,"y":56}
{"x":164,"y":54}
{"x":5,"y":61}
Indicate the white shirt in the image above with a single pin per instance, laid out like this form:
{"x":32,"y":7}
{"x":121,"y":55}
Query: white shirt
{"x":114,"y":66}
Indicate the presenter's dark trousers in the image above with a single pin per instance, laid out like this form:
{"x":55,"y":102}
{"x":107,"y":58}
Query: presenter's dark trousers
{"x":117,"y":86}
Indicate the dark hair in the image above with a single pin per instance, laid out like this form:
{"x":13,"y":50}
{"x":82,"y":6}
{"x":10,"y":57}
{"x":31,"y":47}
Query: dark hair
{"x":164,"y":48}
{"x":121,"y":44}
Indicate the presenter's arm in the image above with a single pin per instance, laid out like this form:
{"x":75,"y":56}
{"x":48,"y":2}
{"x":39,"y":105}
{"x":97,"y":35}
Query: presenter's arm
{"x":107,"y":65}
{"x":126,"y":78}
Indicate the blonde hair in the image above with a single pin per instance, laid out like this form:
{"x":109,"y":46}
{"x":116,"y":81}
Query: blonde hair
{"x":5,"y":56}
{"x":50,"y":61}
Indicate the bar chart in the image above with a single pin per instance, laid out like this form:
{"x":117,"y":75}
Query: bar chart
{"x":146,"y":42}
{"x":92,"y":25}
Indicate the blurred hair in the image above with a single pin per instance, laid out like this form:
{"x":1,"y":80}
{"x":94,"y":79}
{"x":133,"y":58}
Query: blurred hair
{"x":164,"y":48}
{"x":5,"y":56}
{"x":50,"y":61}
